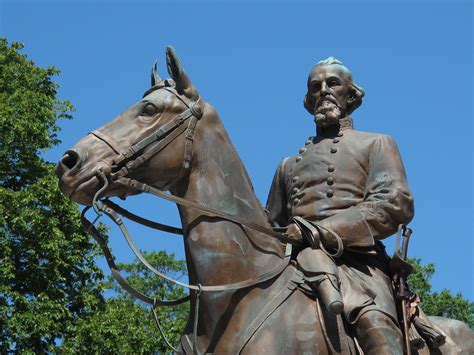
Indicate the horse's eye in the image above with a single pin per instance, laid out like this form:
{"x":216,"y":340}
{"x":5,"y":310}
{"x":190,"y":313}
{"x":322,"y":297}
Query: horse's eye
{"x":149,"y":110}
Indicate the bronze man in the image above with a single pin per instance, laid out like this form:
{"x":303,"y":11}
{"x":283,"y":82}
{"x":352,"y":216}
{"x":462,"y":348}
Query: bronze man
{"x":351,"y":184}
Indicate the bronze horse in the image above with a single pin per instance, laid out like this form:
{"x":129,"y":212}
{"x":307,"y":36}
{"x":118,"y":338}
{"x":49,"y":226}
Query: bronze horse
{"x":191,"y":156}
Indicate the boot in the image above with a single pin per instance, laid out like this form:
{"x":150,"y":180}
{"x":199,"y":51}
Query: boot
{"x":378,"y":334}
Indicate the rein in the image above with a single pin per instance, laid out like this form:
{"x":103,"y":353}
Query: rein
{"x":107,"y":207}
{"x":129,"y":160}
{"x":136,"y":155}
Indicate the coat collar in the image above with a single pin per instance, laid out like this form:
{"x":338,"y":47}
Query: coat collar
{"x":331,"y":131}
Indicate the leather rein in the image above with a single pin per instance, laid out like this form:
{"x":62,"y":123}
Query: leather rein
{"x":135,"y":156}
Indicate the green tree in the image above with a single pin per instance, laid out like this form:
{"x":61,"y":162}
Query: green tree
{"x":48,"y":275}
{"x":51,"y":290}
{"x":442,"y":303}
{"x":125,"y":325}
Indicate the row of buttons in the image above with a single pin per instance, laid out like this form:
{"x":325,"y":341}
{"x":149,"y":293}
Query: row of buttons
{"x":295,"y":179}
{"x":331,"y":168}
{"x":330,"y":180}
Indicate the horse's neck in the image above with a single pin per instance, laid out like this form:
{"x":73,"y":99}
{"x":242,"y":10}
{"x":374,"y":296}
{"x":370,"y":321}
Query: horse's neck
{"x":219,"y":180}
{"x":220,"y":252}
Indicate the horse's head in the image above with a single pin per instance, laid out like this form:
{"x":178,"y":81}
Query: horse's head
{"x":154,"y":133}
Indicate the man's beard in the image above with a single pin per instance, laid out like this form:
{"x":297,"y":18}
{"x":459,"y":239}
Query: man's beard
{"x":327,"y":114}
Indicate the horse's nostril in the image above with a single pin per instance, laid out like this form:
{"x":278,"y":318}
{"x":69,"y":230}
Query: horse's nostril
{"x":70,"y":159}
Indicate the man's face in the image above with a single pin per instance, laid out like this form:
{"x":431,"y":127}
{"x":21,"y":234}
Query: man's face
{"x":328,"y":86}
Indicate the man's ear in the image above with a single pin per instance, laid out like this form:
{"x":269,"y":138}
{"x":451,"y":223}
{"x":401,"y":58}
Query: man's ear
{"x":356,"y":93}
{"x":184,"y":85}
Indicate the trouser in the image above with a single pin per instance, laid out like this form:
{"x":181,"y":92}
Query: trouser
{"x":378,"y":334}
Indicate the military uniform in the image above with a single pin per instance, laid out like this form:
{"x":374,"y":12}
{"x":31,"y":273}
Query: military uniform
{"x":354,"y":184}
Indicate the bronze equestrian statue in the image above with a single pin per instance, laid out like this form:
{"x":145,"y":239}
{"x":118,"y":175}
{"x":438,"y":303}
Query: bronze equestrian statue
{"x":251,"y":288}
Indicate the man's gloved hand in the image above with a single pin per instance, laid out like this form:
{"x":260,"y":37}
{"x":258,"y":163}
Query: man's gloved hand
{"x":294,"y":232}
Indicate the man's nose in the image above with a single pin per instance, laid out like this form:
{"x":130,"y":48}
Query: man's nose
{"x":324,"y":88}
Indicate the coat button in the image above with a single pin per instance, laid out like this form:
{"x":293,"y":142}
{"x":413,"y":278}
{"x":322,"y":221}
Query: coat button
{"x":330,"y":193}
{"x":302,"y":150}
{"x":340,"y":134}
{"x":309,"y":141}
{"x":298,"y":158}
{"x":330,"y":180}
{"x":331,"y":168}
{"x":296,"y":201}
{"x":295,"y":190}
{"x":333,"y":150}
{"x":295,"y":179}
{"x":336,"y":140}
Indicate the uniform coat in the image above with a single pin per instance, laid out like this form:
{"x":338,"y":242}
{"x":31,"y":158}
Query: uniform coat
{"x":354,"y":184}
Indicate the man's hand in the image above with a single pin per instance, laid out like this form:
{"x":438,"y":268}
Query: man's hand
{"x":294,"y":232}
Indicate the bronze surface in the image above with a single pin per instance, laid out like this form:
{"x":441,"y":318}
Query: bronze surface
{"x":345,"y":181}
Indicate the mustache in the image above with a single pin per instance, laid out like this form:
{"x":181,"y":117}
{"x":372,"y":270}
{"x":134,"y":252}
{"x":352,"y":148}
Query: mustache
{"x":329,"y":98}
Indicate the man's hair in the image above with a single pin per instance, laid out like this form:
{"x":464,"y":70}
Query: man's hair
{"x":330,"y":61}
{"x":356,"y":93}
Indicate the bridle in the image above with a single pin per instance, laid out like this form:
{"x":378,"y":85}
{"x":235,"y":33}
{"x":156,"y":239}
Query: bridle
{"x":135,"y":156}
{"x":129,"y":159}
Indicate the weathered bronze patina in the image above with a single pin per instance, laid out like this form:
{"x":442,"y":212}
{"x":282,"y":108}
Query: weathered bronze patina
{"x":350,"y":189}
{"x":248,"y":294}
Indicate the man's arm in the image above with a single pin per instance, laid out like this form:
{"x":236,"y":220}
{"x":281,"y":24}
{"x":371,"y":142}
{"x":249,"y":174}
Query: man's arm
{"x":387,"y":202}
{"x":277,"y":200}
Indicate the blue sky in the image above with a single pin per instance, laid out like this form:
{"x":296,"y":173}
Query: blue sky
{"x":251,"y":60}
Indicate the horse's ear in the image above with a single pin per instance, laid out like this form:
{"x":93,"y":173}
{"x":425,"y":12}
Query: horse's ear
{"x":183,"y":84}
{"x":155,"y":77}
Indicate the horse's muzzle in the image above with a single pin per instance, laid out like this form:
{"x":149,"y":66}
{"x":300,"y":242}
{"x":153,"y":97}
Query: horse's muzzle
{"x":69,"y":161}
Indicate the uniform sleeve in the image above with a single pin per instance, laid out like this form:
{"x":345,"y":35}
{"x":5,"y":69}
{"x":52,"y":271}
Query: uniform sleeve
{"x":277,"y":200}
{"x":387,"y":201}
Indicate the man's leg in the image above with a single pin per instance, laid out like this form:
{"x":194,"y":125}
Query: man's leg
{"x":378,"y":334}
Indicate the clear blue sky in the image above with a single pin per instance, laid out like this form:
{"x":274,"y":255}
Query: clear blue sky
{"x":251,"y":60}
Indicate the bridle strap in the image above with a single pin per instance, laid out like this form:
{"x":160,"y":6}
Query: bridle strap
{"x":188,"y":144}
{"x":278,"y":269}
{"x":136,"y":185}
{"x":143,"y":221}
{"x":155,"y":149}
{"x":116,"y":273}
{"x":163,"y":136}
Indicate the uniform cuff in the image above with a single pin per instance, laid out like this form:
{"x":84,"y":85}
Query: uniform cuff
{"x":350,"y":225}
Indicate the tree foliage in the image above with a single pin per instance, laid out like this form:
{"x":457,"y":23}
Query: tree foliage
{"x":29,"y":111}
{"x":125,"y":325}
{"x":443,"y":303}
{"x":48,"y":275}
